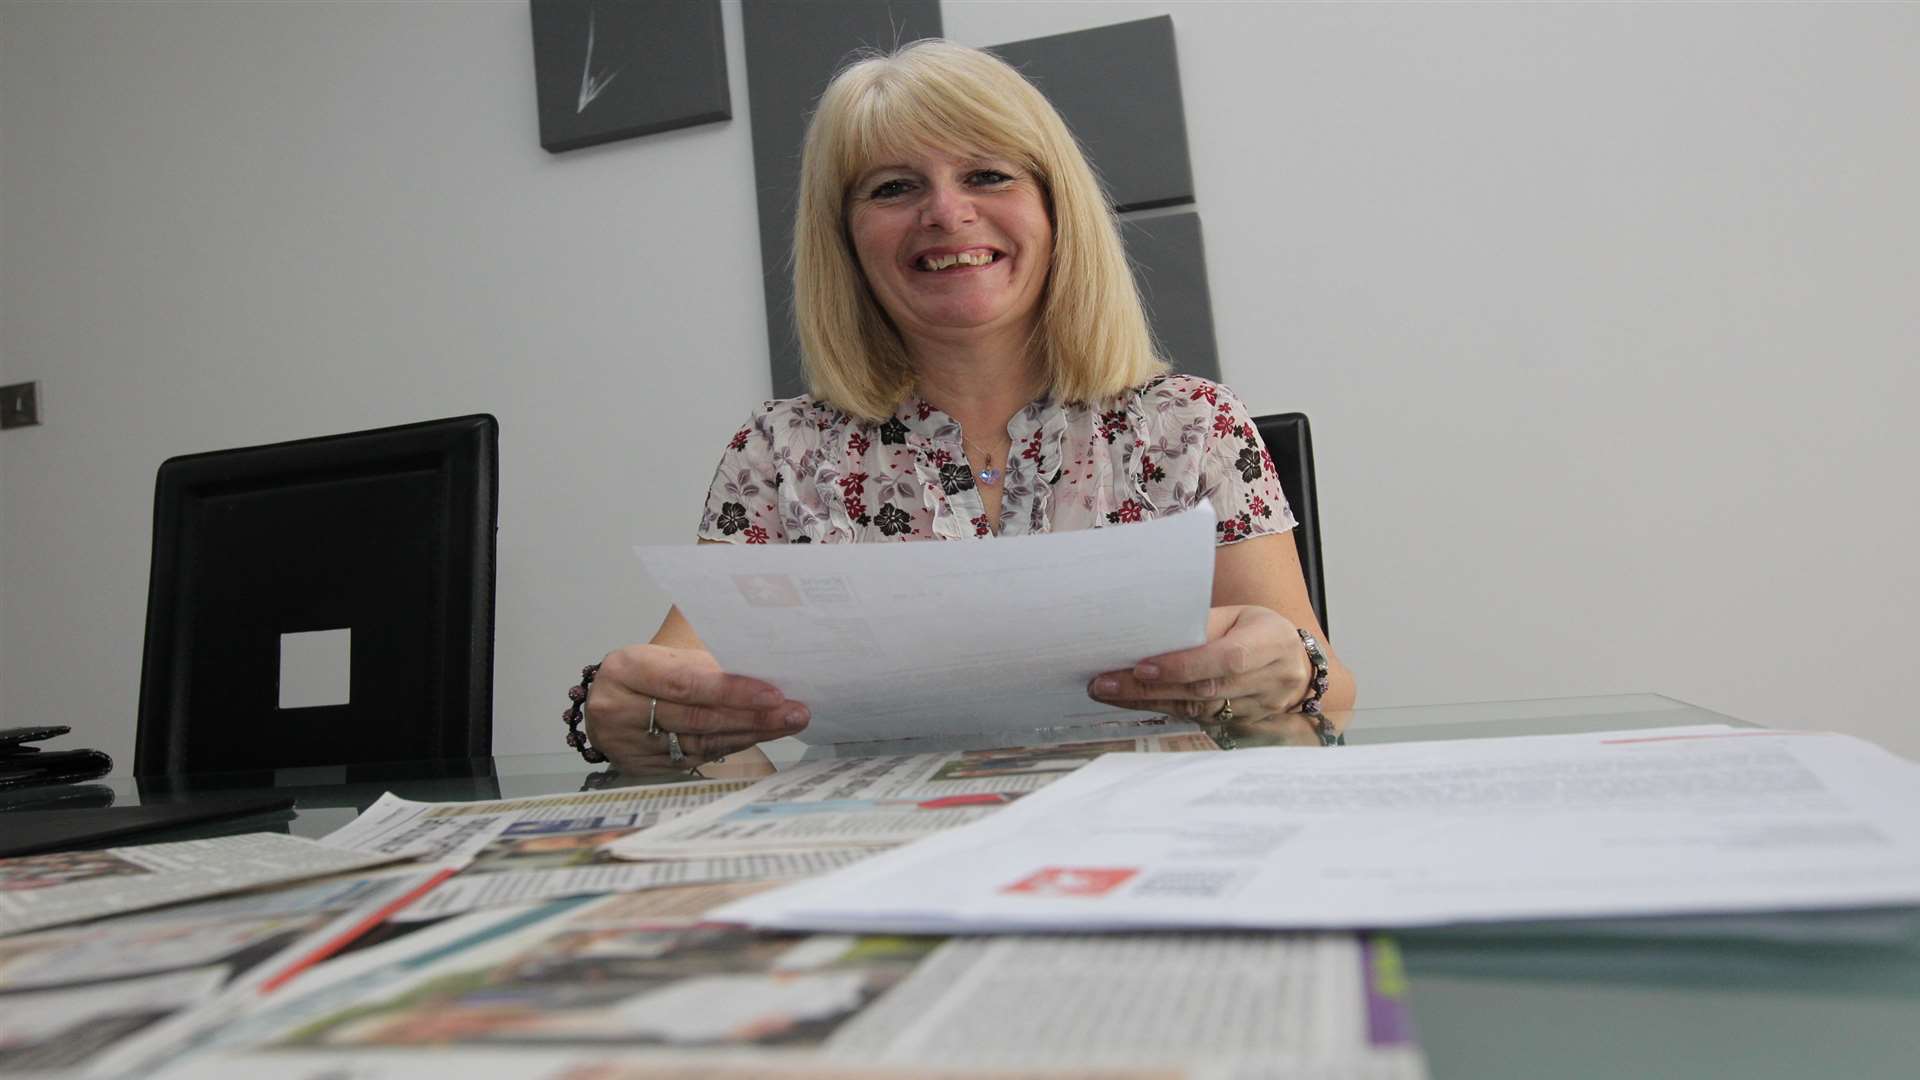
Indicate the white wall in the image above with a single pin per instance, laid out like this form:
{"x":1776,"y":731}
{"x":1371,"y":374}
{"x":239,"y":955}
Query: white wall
{"x":1602,"y":312}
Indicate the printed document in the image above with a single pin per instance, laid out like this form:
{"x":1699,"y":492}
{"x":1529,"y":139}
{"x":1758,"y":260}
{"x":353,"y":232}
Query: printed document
{"x":1546,"y":827}
{"x":879,"y":802}
{"x":888,"y":641}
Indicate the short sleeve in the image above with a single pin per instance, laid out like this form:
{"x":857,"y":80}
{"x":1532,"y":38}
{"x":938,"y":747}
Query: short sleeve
{"x":1238,"y":477}
{"x":743,"y":502}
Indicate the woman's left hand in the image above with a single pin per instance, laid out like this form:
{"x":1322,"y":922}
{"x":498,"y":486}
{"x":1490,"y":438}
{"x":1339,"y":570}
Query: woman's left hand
{"x":1253,"y":658}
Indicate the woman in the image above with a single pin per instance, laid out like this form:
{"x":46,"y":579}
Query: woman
{"x":980,"y":365}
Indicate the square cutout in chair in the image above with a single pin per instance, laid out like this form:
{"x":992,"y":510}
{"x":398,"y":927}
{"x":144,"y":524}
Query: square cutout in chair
{"x":316,"y":668}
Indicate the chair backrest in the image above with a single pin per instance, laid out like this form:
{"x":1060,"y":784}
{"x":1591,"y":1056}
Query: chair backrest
{"x":1289,"y":440}
{"x":388,"y":534}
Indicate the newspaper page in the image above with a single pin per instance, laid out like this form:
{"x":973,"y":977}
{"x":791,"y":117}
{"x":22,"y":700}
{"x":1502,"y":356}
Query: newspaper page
{"x":124,"y":989}
{"x":845,"y":630}
{"x":879,"y":801}
{"x":1541,"y":827}
{"x":485,"y":883}
{"x":38,"y":891}
{"x":452,"y":834}
{"x":604,"y":973}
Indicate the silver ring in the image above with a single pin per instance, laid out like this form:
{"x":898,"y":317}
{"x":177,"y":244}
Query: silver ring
{"x":653,"y":717}
{"x":674,"y":753}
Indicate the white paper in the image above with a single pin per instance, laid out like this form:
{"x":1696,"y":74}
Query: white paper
{"x":879,"y":801}
{"x":38,"y":891}
{"x":1576,"y":826}
{"x":888,"y":641}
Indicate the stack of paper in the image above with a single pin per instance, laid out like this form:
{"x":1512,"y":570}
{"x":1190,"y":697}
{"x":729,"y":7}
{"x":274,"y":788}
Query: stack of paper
{"x":1631,"y":823}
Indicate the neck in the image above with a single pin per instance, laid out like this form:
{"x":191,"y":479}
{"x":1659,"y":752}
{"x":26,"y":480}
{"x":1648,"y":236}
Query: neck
{"x":981,"y":388}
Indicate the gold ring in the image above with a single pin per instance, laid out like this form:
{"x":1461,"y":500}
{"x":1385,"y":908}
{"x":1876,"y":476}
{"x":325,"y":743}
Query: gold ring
{"x":1225,"y":715}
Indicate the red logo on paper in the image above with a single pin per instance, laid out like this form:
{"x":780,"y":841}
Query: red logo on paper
{"x":1072,"y":881}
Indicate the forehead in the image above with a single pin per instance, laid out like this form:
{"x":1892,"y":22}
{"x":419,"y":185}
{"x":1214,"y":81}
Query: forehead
{"x":928,"y":159}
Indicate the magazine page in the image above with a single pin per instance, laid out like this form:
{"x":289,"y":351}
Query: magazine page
{"x":611,"y":974}
{"x":879,"y":801}
{"x":38,"y":891}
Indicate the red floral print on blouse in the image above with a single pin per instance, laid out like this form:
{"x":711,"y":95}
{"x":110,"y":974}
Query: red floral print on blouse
{"x":805,"y":472}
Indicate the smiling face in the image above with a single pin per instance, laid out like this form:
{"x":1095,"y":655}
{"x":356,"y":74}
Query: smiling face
{"x":955,"y":249}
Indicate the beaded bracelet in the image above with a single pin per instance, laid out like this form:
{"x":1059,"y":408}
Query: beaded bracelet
{"x":1317,"y":689}
{"x":577,"y":711}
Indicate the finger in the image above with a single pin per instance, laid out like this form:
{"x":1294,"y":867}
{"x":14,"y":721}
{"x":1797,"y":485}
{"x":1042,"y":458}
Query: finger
{"x":705,"y":720}
{"x":680,"y":676}
{"x":1187,"y":708}
{"x":1124,"y":685}
{"x":708,"y":747}
{"x":1247,"y":646}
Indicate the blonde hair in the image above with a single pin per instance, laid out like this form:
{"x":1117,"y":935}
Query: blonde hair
{"x":1092,"y":341}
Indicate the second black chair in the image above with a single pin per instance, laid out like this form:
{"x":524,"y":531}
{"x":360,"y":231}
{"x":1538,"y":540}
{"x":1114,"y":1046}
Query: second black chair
{"x":380,"y":542}
{"x":1289,"y":440}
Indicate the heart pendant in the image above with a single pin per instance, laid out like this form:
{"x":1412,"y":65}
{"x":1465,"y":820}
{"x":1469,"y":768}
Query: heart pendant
{"x":988,"y":476}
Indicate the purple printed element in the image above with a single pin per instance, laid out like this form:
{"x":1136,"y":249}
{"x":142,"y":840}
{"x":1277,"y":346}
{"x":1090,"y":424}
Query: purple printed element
{"x":1388,"y":1021}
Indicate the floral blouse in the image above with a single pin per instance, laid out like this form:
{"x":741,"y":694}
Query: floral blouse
{"x":802,"y":471}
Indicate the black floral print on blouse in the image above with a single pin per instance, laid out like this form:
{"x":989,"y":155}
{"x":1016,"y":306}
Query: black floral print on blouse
{"x":801,"y":471}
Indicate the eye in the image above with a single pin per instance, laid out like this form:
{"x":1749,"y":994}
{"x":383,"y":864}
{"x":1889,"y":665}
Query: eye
{"x":989,"y":177}
{"x":887,"y":189}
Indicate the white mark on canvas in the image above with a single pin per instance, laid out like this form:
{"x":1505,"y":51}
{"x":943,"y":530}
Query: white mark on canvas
{"x":591,"y":85}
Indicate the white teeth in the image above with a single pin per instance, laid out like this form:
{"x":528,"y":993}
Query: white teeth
{"x":964,"y":258}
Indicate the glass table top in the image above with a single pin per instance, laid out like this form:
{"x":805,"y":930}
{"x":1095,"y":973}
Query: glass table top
{"x":1771,"y":996}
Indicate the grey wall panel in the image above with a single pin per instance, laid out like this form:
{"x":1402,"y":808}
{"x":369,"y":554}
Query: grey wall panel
{"x":1119,"y":88}
{"x":1170,"y":262}
{"x":793,"y":48}
{"x":613,"y":71}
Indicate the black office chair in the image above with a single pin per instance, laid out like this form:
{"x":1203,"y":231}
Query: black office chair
{"x":1290,"y":440}
{"x":387,"y":534}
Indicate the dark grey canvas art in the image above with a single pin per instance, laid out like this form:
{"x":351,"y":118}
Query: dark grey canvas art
{"x":614,"y":69}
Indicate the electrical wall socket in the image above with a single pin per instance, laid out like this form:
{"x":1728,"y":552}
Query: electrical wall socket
{"x":19,"y":405}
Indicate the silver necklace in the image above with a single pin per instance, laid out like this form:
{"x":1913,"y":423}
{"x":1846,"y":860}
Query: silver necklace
{"x":988,"y":476}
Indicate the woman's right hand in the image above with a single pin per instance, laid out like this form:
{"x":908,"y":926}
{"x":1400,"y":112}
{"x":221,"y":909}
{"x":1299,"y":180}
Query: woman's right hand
{"x":712,"y":712}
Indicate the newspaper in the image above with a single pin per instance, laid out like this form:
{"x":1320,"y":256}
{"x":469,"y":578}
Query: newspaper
{"x":476,"y":888}
{"x":453,"y":834}
{"x":121,"y":992}
{"x":697,"y":997}
{"x":878,"y":801}
{"x":1704,"y":819}
{"x":38,"y":891}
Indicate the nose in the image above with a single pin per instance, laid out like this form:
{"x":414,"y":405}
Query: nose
{"x":948,"y":207}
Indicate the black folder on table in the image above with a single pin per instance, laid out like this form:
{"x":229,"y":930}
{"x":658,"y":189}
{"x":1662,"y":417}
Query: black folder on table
{"x":33,"y":832}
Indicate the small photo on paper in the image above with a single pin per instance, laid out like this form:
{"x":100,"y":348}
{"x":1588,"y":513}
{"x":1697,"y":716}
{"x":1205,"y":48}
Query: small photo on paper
{"x":1027,"y":760}
{"x":63,"y":868}
{"x":538,"y":845}
{"x":767,"y":590}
